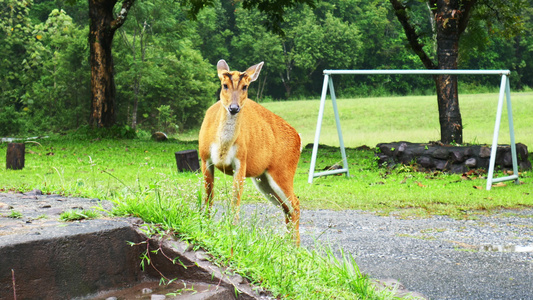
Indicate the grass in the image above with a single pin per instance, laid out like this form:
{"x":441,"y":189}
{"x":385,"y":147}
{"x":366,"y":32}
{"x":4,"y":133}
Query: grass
{"x":141,"y":177}
{"x":259,"y":253}
{"x":76,"y":215}
{"x":15,"y":214}
{"x":369,"y":121}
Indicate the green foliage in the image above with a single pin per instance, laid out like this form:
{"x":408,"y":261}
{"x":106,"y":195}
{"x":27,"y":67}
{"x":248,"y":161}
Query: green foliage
{"x":16,"y":55}
{"x":45,"y":74}
{"x":164,"y":59}
{"x":11,"y":121}
{"x":61,"y":81}
{"x":157,"y":64}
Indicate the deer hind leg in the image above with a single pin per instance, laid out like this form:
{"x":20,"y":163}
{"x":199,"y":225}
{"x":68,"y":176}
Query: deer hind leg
{"x":208,"y":170}
{"x":281,"y":193}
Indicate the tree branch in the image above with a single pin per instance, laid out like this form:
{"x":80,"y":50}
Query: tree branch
{"x":401,"y":13}
{"x":122,"y":15}
{"x":466,"y":13}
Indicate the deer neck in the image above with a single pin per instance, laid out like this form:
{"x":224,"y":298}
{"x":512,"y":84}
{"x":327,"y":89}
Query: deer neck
{"x":228,"y":132}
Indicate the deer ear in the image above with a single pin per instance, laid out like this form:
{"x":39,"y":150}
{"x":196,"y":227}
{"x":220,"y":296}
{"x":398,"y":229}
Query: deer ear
{"x":254,"y":71}
{"x":222,"y":68}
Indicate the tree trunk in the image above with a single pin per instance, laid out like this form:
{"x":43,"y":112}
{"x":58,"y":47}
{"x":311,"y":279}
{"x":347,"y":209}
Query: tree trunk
{"x":15,"y":156}
{"x":450,"y":21}
{"x":101,"y":31}
{"x":187,"y":161}
{"x":447,"y":19}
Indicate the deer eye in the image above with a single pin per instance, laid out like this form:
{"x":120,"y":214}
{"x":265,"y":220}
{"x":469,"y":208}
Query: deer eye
{"x":225,"y":86}
{"x":244,"y":88}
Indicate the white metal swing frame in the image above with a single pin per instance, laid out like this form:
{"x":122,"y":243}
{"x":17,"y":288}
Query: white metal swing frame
{"x":505,"y":92}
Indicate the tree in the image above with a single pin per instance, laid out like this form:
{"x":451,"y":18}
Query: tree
{"x":58,"y":93}
{"x":16,"y":63}
{"x":449,"y":20}
{"x":159,"y":73}
{"x":103,"y":25}
{"x":102,"y":28}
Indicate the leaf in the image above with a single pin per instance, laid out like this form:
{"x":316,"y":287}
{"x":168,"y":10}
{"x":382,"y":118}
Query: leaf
{"x":499,"y":184}
{"x":478,"y":187}
{"x":420,"y":184}
{"x":38,"y":36}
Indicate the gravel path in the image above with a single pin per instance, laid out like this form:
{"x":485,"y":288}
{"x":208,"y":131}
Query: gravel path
{"x":442,"y":258}
{"x":439,"y":257}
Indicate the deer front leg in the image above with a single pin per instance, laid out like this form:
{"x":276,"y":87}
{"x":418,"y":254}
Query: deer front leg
{"x":239,"y":177}
{"x":208,"y":169}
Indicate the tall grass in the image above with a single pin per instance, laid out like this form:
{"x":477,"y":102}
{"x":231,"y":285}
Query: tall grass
{"x":259,"y":253}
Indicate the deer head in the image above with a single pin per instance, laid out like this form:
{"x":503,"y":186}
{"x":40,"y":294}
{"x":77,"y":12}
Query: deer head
{"x":235,"y":85}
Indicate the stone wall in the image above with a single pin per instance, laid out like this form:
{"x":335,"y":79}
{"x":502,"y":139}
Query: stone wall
{"x":454,"y":159}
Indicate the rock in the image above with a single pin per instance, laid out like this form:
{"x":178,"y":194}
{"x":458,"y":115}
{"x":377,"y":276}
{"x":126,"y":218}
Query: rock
{"x":484,"y":152}
{"x":425,"y":162}
{"x":525,"y":165}
{"x":457,"y":156}
{"x":201,"y":255}
{"x":456,"y":159}
{"x":508,"y":159}
{"x":385,"y":149}
{"x":159,"y":136}
{"x":158,"y":297}
{"x":459,"y":168}
{"x":5,"y":206}
{"x":146,"y":291}
{"x":237,"y":279}
{"x":469,"y":152}
{"x":35,"y":192}
{"x":521,"y":151}
{"x":471,"y":162}
{"x":441,"y":164}
{"x":401,"y":148}
{"x":440,"y":153}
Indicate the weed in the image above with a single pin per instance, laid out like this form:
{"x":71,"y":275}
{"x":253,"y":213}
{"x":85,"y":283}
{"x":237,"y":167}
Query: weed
{"x":15,"y":214}
{"x":76,"y":215}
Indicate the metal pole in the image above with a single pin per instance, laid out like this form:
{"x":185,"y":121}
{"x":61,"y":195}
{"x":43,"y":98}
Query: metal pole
{"x":339,"y":131}
{"x":318,"y":127}
{"x":418,"y":72}
{"x":496,"y":132}
{"x":511,"y":131}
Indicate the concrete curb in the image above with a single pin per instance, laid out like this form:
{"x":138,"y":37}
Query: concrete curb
{"x":93,"y":259}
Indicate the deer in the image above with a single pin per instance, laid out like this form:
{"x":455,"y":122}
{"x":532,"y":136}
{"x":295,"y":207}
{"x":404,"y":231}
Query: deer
{"x":243,"y":139}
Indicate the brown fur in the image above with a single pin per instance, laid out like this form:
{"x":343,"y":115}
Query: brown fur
{"x":252,"y":142}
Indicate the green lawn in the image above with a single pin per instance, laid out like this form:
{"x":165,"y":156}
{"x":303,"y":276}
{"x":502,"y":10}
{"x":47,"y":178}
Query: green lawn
{"x":369,"y":121}
{"x":106,"y":167}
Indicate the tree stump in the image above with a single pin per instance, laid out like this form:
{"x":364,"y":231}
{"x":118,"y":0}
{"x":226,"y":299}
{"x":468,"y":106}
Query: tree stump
{"x":187,"y":161}
{"x":15,"y":156}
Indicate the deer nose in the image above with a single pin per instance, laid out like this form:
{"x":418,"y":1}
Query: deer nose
{"x":234,"y":109}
